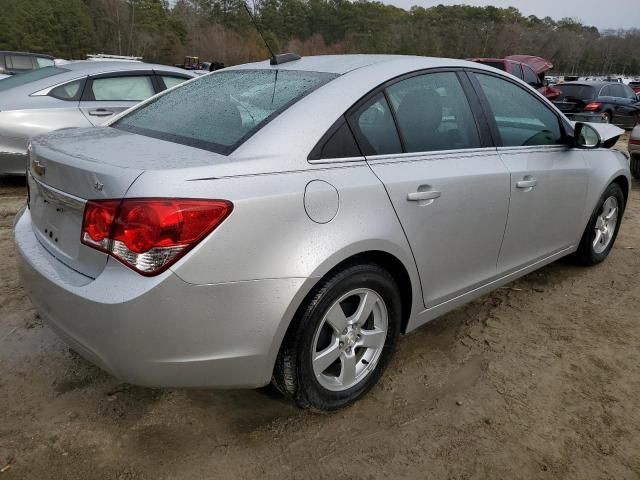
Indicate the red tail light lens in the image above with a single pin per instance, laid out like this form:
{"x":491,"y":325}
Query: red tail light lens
{"x":590,"y":107}
{"x":149,"y":235}
{"x":634,"y":142}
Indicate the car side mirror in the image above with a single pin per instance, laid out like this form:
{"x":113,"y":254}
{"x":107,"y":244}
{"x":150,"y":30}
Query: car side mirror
{"x":585,"y":136}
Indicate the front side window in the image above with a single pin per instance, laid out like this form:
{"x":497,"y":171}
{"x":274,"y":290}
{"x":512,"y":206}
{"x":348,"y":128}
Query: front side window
{"x":521,"y":118}
{"x":376,"y":128}
{"x":217,"y":112}
{"x":133,"y":88}
{"x":433,"y":113}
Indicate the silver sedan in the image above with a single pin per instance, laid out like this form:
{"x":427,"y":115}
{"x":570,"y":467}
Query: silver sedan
{"x":288,"y":222}
{"x":76,"y":94}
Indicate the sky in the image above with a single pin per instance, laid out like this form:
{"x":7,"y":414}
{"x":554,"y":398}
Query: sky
{"x":599,"y":13}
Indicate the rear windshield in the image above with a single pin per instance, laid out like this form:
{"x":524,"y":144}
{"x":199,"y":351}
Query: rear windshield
{"x":219,"y":111}
{"x":31,"y":76}
{"x":577,"y":92}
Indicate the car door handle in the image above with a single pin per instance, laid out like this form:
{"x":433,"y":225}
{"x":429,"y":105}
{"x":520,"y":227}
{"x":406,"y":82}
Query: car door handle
{"x":100,"y":112}
{"x":419,"y":196}
{"x":529,"y":183}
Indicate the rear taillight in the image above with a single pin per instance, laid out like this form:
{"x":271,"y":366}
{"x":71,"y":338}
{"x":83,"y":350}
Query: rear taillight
{"x":150,"y":234}
{"x":590,"y":107}
{"x":634,"y":142}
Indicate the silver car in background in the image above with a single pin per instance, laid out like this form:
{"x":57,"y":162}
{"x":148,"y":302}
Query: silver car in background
{"x":286,"y":222}
{"x":77,"y":94}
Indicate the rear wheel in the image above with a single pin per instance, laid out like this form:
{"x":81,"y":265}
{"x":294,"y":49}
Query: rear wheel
{"x":607,"y":117}
{"x":602,"y":230}
{"x":635,"y":166}
{"x":342,"y":339}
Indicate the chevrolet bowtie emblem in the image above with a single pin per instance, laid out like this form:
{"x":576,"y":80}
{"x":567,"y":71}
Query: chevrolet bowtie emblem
{"x":98,"y":186}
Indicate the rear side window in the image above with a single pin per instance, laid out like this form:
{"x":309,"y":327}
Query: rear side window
{"x":521,"y":118}
{"x":433,"y":113}
{"x":338,"y":142}
{"x":68,"y":91}
{"x":218,"y":112}
{"x":170,"y":81}
{"x":376,"y":130}
{"x":133,"y":88}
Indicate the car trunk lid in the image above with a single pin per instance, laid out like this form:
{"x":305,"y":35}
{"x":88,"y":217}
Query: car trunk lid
{"x":69,"y":167}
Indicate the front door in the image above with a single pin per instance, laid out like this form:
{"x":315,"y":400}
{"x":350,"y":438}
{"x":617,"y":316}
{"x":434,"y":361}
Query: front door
{"x":548,"y":179}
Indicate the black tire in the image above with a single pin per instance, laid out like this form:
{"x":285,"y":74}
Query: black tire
{"x":586,"y":253}
{"x":635,"y":166}
{"x":608,"y":117}
{"x":293,"y":373}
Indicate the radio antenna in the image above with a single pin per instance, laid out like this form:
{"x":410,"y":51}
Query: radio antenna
{"x":259,"y":30}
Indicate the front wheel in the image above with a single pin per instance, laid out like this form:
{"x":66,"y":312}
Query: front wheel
{"x":341,"y":340}
{"x":602,"y":230}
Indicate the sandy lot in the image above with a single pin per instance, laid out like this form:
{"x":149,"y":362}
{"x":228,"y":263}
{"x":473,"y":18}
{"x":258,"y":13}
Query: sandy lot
{"x":540,"y":379}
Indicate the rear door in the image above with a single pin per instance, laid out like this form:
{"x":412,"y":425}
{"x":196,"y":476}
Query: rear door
{"x":445,"y":180}
{"x":108,"y":94}
{"x":548,"y":179}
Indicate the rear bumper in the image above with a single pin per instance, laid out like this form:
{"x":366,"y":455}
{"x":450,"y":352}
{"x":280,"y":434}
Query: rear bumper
{"x":159,"y":331}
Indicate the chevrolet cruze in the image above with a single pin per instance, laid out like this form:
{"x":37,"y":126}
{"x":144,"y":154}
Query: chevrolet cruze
{"x":285,"y":221}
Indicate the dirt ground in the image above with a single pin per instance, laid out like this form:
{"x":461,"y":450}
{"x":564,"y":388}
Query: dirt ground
{"x":540,"y":379}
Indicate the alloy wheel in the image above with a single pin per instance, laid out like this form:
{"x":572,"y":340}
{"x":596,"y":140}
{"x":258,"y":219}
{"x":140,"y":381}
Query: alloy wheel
{"x":605,"y":225}
{"x":349,"y":340}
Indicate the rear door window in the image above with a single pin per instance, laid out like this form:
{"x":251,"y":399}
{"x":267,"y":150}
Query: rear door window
{"x":217,"y":112}
{"x":521,"y":118}
{"x":121,"y":88}
{"x":433,"y":113}
{"x":375,"y":127}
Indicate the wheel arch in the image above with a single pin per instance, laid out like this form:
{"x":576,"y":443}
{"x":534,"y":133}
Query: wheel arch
{"x":401,"y":267}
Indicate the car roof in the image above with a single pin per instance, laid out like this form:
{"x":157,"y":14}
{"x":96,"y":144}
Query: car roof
{"x":586,"y":83}
{"x":90,"y":67}
{"x":342,"y":64}
{"x":11,"y":52}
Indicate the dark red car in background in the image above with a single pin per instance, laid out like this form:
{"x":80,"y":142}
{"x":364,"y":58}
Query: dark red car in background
{"x":527,"y":68}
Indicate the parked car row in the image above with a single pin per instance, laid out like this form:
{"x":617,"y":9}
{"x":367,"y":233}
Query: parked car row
{"x":608,"y":102}
{"x":286,"y":221}
{"x":77,"y":94}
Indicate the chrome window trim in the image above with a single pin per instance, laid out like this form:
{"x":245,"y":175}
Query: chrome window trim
{"x":432,"y":155}
{"x":338,"y":160}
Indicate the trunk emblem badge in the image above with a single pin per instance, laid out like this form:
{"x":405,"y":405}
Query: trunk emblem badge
{"x":98,"y":186}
